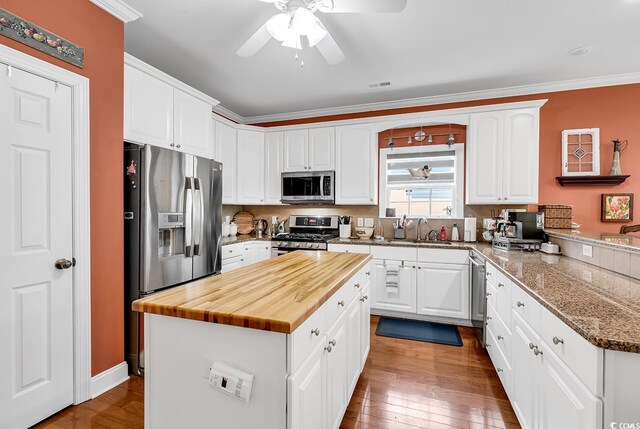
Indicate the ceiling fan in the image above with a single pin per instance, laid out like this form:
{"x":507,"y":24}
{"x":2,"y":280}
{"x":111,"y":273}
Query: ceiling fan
{"x":297,"y":18}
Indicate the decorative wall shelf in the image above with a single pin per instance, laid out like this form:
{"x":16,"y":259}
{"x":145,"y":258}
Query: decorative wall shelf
{"x":591,"y":180}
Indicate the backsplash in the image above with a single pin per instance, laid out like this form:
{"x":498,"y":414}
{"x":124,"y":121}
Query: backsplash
{"x":284,"y":211}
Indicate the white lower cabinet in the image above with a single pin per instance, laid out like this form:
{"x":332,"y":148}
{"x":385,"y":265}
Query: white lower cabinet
{"x":239,"y":255}
{"x":323,"y":380}
{"x":552,"y":375}
{"x":257,"y":251}
{"x":389,"y":295}
{"x":443,"y":290}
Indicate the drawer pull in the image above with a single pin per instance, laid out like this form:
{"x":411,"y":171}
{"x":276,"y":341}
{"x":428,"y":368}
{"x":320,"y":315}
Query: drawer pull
{"x":500,"y":337}
{"x":341,"y":303}
{"x":532,"y":346}
{"x":499,"y":370}
{"x":489,"y":317}
{"x":328,"y":348}
{"x":500,"y":284}
{"x":488,"y":294}
{"x":489,"y":274}
{"x":520,"y":304}
{"x":357,"y":285}
{"x":368,"y":273}
{"x":537,"y":352}
{"x":557,"y":341}
{"x":332,"y":343}
{"x":487,"y":345}
{"x":364,"y":298}
{"x":316,"y":331}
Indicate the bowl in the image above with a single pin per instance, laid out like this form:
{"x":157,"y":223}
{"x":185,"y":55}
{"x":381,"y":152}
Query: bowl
{"x":364,"y":233}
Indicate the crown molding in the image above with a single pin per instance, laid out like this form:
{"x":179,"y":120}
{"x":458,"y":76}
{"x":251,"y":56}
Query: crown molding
{"x":567,"y":85}
{"x":132,"y":61}
{"x":119,"y":9}
{"x":228,"y":114}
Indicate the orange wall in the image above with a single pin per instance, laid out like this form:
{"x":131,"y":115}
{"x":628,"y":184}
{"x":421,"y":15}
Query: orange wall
{"x":615,"y":110}
{"x":102,"y":37}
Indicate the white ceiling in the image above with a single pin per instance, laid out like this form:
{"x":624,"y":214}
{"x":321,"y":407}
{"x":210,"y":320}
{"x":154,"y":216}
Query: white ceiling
{"x":434,"y":47}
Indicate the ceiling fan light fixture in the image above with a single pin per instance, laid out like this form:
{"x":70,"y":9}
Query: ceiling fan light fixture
{"x":316,"y":34}
{"x":303,"y":21}
{"x":292,"y":40}
{"x":278,"y":26}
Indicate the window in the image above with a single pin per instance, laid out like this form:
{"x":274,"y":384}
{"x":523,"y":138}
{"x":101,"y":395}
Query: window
{"x":439,"y":196}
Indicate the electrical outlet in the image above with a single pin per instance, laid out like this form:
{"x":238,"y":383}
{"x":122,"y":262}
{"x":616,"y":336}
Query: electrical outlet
{"x":587,"y":251}
{"x":368,"y":222}
{"x":359,"y":223}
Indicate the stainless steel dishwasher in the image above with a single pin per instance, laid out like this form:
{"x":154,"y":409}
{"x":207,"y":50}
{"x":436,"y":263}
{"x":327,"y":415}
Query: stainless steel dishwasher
{"x":478,"y":296}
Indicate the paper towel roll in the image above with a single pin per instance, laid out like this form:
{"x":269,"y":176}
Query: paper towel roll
{"x":470,"y":229}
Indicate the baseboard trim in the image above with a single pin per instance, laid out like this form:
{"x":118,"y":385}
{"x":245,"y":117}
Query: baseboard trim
{"x":412,"y":316}
{"x":109,"y":379}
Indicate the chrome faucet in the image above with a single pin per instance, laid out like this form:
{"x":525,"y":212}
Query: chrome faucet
{"x":420,"y":221}
{"x":433,"y":237}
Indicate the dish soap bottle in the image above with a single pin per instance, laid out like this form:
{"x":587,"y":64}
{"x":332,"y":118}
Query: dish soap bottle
{"x":455,"y":234}
{"x":443,"y":233}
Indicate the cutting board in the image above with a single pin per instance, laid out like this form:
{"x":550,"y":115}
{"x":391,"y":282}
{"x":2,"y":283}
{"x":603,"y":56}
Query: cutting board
{"x":245,"y":222}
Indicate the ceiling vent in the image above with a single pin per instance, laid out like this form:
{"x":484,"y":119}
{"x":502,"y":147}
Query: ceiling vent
{"x":379,"y":84}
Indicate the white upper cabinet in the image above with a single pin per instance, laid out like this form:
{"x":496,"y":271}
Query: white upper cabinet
{"x":520,"y":156}
{"x":309,"y":150}
{"x":322,"y":149}
{"x":273,"y":167}
{"x":226,"y":153}
{"x":250,"y":174}
{"x":502,"y":157}
{"x":148,"y":109}
{"x":295,"y":150}
{"x":193,"y":129}
{"x":356,"y":165}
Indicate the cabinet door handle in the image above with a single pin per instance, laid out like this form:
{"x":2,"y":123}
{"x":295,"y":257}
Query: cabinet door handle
{"x":488,"y":294}
{"x":487,"y":345}
{"x":532,"y":346}
{"x":172,"y":145}
{"x":520,"y":304}
{"x":368,"y":273}
{"x":332,"y":342}
{"x":536,"y":351}
{"x":178,"y":146}
{"x":316,"y":332}
{"x":489,"y":318}
{"x":341,"y":303}
{"x":505,"y":198}
{"x":357,"y":285}
{"x":557,"y":341}
{"x":500,"y":284}
{"x":328,"y":348}
{"x":500,"y":337}
{"x":364,"y":298}
{"x":499,"y":370}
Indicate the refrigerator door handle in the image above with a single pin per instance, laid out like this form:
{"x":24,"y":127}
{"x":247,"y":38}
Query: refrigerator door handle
{"x":188,"y":221}
{"x":198,"y":236}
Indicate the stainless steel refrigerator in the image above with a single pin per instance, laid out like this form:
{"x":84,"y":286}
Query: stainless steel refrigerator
{"x":172,"y":228}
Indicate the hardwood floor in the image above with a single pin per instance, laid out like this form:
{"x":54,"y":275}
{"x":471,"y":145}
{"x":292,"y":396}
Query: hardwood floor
{"x":405,"y":385}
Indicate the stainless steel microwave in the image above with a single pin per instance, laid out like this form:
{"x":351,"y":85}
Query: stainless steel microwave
{"x":309,"y":187}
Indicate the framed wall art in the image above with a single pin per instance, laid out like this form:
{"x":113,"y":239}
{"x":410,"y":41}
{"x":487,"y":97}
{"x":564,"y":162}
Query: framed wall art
{"x":581,"y":152}
{"x":617,"y":207}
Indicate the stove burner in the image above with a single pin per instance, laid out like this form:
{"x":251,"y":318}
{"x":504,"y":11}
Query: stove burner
{"x":301,"y":236}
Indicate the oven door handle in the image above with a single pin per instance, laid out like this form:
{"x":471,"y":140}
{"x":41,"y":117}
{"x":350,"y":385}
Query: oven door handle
{"x":476,"y":263}
{"x":322,"y":185}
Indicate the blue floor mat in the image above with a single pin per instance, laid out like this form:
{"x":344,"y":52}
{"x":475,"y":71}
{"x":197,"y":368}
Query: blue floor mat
{"x":419,"y":331}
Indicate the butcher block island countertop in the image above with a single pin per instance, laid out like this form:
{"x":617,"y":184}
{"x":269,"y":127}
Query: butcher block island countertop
{"x":276,"y":295}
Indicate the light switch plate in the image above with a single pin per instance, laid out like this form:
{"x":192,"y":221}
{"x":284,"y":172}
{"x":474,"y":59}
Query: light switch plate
{"x":368,"y":222}
{"x":587,"y":250}
{"x":359,"y":222}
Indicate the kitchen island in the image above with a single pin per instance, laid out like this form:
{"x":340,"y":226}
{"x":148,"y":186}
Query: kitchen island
{"x":287,"y":339}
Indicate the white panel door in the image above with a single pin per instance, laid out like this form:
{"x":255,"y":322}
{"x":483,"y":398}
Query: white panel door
{"x":365,"y":315}
{"x":226,"y":152}
{"x":354,"y":327}
{"x":337,"y":395}
{"x":443,"y":290}
{"x":388,"y":297}
{"x":356,"y":165}
{"x":250,"y":173}
{"x":192,"y":125}
{"x":322,"y":149}
{"x":521,"y":158}
{"x":565,"y":401}
{"x":273,"y":168}
{"x":484,"y":166}
{"x":307,"y":393}
{"x":295,"y":152}
{"x":36,"y":317}
{"x":525,"y":374}
{"x":148,"y":109}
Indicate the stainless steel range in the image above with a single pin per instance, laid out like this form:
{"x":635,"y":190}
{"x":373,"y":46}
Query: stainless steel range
{"x":305,"y":233}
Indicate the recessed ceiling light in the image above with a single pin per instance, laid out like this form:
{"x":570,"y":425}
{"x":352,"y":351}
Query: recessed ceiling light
{"x":582,"y":50}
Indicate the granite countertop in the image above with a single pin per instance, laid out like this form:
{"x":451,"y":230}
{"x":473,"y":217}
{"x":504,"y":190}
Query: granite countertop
{"x":630,"y":243}
{"x":405,"y":243}
{"x":277,"y":295}
{"x":244,"y":238}
{"x":600,"y":305}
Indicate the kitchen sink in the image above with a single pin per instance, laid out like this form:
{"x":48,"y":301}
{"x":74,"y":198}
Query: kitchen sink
{"x":421,"y":242}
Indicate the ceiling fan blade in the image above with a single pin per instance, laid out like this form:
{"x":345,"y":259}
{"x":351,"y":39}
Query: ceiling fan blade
{"x":255,"y":42}
{"x":367,"y":6}
{"x":330,"y":50}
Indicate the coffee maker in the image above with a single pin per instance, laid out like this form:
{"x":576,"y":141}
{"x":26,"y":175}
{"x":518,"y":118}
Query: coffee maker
{"x":519,"y":230}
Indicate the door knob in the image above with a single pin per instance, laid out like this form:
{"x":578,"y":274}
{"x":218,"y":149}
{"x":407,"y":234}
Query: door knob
{"x":63,"y":264}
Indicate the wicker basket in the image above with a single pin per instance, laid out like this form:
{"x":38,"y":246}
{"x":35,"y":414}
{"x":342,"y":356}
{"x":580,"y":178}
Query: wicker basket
{"x":556,"y":216}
